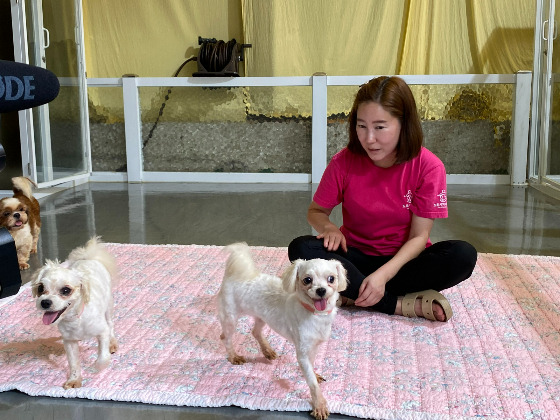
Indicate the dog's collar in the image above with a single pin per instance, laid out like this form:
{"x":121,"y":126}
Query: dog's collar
{"x":313,"y":310}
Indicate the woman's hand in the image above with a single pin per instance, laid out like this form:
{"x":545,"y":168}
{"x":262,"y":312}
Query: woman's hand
{"x":373,"y":286}
{"x":333,"y":238}
{"x":371,"y":290}
{"x":318,"y":217}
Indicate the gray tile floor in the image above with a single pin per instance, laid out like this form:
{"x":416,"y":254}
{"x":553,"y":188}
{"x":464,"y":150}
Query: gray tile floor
{"x":495,"y":219}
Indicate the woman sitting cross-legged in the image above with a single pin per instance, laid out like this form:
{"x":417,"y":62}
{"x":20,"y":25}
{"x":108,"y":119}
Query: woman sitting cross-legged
{"x":391,"y":189}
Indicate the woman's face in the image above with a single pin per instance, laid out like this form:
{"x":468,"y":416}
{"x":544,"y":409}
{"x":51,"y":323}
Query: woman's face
{"x":378,"y":132}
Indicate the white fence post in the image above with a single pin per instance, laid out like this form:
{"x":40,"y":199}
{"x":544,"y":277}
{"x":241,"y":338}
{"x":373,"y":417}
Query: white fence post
{"x":132,"y":129}
{"x":520,"y":128}
{"x":319,"y":127}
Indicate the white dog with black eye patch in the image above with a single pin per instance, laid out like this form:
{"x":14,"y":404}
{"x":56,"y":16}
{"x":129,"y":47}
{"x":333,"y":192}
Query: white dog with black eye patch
{"x":77,"y":296}
{"x":300,"y":306}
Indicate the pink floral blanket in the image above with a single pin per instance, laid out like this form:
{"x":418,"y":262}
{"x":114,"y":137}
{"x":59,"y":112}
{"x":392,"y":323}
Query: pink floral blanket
{"x":498,"y":358}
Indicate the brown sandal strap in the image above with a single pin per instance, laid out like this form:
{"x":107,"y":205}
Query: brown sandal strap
{"x":428,"y":298}
{"x":407,"y":305}
{"x":431,"y":296}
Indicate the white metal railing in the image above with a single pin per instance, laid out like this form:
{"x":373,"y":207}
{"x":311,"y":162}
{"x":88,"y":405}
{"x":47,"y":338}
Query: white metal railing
{"x":319,"y":84}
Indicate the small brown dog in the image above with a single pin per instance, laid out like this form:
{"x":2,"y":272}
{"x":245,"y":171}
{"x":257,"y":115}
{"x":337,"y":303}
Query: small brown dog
{"x":20,"y":215}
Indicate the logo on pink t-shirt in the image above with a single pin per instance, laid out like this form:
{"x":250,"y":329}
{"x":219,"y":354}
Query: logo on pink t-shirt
{"x":408,"y":197}
{"x":442,"y":200}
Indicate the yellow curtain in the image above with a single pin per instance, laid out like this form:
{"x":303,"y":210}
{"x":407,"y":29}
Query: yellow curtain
{"x":60,"y":21}
{"x":436,"y":39}
{"x":299,"y":38}
{"x":375,"y":37}
{"x":340,"y":37}
{"x":468,"y":37}
{"x":504,"y":31}
{"x":153,"y":38}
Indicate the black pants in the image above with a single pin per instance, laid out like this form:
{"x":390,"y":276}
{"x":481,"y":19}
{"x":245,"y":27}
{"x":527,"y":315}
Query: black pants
{"x":440,"y":266}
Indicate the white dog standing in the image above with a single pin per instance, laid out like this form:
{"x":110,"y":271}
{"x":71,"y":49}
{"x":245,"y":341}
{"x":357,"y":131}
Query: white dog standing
{"x":77,"y":295}
{"x":301,"y":307}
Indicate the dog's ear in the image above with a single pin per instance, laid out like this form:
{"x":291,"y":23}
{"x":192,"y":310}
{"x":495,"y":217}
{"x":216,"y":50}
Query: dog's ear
{"x":85,"y":290}
{"x":289,"y":278}
{"x":342,"y":279}
{"x":37,"y":277}
{"x":36,"y":280}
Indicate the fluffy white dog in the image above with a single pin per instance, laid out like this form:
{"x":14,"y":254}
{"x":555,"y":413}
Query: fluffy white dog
{"x":77,"y":295}
{"x":300,"y":306}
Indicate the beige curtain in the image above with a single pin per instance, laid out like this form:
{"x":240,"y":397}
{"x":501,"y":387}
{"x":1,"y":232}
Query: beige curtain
{"x":340,"y":37}
{"x":374,"y":37}
{"x":153,"y":38}
{"x":299,"y":38}
{"x":468,"y":36}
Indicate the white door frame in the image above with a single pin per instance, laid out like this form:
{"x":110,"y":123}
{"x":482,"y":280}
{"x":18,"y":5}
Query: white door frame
{"x":25,"y":116}
{"x":542,"y":91}
{"x":26,"y":119}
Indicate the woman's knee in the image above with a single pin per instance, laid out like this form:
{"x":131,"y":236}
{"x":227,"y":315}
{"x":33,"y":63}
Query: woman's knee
{"x":300,"y":247}
{"x":465,"y":256}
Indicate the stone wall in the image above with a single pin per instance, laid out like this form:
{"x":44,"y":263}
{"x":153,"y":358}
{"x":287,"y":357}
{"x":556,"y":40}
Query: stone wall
{"x":284,"y":146}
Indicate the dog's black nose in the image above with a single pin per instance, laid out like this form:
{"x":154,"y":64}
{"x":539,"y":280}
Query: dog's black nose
{"x":16,"y":216}
{"x":46,"y":304}
{"x":321,"y":291}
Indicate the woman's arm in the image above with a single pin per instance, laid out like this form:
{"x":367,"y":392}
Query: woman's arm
{"x":318,"y":218}
{"x":373,"y":286}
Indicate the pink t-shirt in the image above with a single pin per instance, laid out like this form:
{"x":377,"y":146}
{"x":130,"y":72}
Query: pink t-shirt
{"x":377,"y":203}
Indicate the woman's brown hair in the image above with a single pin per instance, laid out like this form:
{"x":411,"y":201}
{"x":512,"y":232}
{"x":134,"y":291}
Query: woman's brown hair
{"x":394,"y":95}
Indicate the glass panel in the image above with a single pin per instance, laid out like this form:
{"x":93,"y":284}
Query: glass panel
{"x":553,"y":158}
{"x":60,"y":147}
{"x":106,"y":129}
{"x":540,"y":69}
{"x":467,"y":126}
{"x":67,"y":148}
{"x":182,"y":135}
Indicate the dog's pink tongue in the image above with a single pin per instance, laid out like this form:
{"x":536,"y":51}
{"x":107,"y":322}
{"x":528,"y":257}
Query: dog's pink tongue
{"x":19,"y":223}
{"x":320,"y":305}
{"x":49,"y":317}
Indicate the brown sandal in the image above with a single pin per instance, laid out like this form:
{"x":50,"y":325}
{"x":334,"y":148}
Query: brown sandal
{"x":428,"y":298}
{"x":344,"y":301}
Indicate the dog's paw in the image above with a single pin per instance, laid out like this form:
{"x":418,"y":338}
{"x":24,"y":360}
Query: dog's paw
{"x":33,"y":250}
{"x":23,"y":266}
{"x":237,"y":360}
{"x":73,"y":383}
{"x":320,"y":409}
{"x":270,"y":354}
{"x":320,"y":379}
{"x":320,"y":413}
{"x":113,"y":346}
{"x":101,"y":364}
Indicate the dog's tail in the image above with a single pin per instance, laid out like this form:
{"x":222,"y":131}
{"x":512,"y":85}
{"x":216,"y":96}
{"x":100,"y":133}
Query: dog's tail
{"x":240,"y":263}
{"x":95,"y":250}
{"x":24,"y":185}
